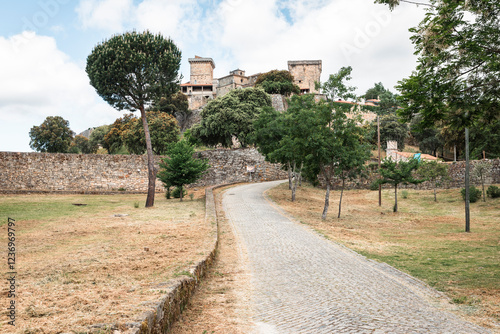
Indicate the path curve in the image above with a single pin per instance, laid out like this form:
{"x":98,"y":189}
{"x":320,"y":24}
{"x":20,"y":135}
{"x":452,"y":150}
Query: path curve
{"x":303,"y":283}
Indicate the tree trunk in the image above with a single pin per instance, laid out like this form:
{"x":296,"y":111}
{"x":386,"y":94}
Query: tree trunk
{"x":484,"y":193}
{"x":294,"y":184}
{"x":300,"y":174}
{"x":181,"y":193}
{"x":327,"y":201}
{"x":396,"y":198}
{"x":467,"y":181}
{"x":289,"y":175}
{"x":435,"y":197}
{"x":341,"y":194}
{"x":150,"y":200}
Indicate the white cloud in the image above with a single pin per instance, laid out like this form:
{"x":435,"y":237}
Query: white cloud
{"x":263,"y":34}
{"x":38,"y":80}
{"x":108,"y":15}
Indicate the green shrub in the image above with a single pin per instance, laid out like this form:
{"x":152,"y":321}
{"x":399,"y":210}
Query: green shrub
{"x":474,"y":194}
{"x":404,"y":194}
{"x":168,"y":192}
{"x":493,"y":192}
{"x":176,"y":193}
{"x":374,"y":185}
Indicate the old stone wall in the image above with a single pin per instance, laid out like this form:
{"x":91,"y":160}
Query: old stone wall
{"x":279,"y":102}
{"x":197,"y":101}
{"x":94,"y":173}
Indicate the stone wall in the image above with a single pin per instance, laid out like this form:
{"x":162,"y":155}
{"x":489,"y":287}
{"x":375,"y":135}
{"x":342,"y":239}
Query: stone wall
{"x":279,"y":102}
{"x":93,"y":173}
{"x":228,"y":166}
{"x":456,"y":172}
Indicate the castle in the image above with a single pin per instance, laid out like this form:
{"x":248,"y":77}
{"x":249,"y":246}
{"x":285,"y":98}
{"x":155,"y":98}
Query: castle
{"x":202,"y":86}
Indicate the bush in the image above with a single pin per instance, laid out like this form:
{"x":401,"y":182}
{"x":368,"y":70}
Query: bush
{"x":474,"y":194}
{"x":168,"y":192}
{"x":493,"y":192}
{"x":176,"y":193}
{"x":374,"y":185}
{"x":404,"y":194}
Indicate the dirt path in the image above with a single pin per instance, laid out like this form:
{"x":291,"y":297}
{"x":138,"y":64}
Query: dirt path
{"x":220,"y":305}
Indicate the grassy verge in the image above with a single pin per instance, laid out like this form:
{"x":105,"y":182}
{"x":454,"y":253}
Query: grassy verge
{"x":98,"y":263}
{"x":425,"y":239}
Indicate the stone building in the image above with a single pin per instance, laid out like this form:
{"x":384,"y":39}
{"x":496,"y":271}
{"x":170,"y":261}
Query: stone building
{"x":306,"y":73}
{"x":236,"y":79}
{"x":202,"y":86}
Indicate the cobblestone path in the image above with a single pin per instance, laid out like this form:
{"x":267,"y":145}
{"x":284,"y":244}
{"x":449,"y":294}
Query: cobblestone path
{"x":303,"y":283}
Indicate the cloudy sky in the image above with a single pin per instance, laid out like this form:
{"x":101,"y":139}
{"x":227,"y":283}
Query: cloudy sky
{"x":44,"y":45}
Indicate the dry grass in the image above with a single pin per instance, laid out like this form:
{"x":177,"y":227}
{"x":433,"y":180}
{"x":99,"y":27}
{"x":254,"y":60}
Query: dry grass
{"x":82,"y":265}
{"x":425,"y":239}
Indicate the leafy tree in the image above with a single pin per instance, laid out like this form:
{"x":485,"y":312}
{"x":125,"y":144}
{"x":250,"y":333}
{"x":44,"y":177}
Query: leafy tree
{"x":177,"y":102}
{"x":231,"y":116}
{"x":80,"y":144}
{"x":163,"y":130}
{"x":335,"y":88}
{"x":268,"y":132}
{"x":277,"y":82}
{"x":176,"y":105}
{"x":390,"y":129}
{"x":335,"y":149}
{"x":114,"y":140}
{"x":52,"y":136}
{"x":96,"y":139}
{"x":375,"y":92}
{"x":457,"y":76}
{"x":282,"y":137}
{"x":132,"y":70}
{"x":396,"y":173}
{"x":180,"y":168}
{"x":481,"y":170}
{"x":429,"y":139}
{"x":435,"y":172}
{"x":459,"y":63}
{"x":485,"y":136}
{"x":356,"y":152}
{"x":388,"y":101}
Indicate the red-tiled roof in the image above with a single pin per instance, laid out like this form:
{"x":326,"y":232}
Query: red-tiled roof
{"x":197,"y":85}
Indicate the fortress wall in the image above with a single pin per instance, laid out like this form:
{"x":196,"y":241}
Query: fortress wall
{"x":95,"y":173}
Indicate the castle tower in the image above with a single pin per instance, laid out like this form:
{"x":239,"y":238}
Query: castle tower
{"x":202,"y":87}
{"x":306,"y":73}
{"x":202,"y":70}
